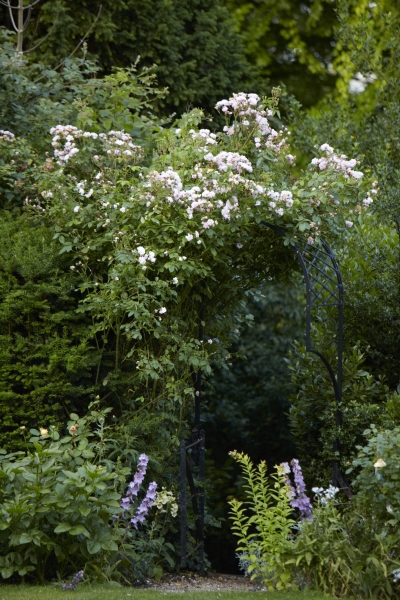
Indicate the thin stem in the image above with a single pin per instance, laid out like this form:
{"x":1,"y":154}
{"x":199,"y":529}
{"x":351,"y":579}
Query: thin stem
{"x":76,"y":47}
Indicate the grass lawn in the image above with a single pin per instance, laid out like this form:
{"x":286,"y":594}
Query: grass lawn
{"x":111,"y":592}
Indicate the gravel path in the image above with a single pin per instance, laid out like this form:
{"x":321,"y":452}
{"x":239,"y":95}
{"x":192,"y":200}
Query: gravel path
{"x":212,"y":582}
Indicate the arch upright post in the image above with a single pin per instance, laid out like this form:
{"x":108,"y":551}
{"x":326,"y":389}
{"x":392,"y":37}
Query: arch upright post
{"x":324,"y":288}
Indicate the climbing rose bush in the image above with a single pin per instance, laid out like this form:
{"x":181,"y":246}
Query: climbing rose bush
{"x":169,"y":243}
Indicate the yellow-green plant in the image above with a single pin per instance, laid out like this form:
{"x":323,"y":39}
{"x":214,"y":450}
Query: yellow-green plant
{"x":265,"y":535}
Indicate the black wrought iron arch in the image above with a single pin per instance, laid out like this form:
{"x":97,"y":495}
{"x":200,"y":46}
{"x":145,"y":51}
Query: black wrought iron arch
{"x":324,"y":288}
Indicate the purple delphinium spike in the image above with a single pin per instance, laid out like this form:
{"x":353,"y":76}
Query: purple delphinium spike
{"x":75,"y":580}
{"x":145,"y":505}
{"x":291,"y":493}
{"x":134,"y":486}
{"x":302,"y":502}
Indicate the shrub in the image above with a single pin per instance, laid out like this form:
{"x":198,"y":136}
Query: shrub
{"x":340,"y":548}
{"x":157,"y":244}
{"x":62,"y":509}
{"x":265,"y":536}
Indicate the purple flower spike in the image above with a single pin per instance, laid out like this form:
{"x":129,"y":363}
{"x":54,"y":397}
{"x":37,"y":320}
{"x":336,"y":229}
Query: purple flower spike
{"x":286,"y":469}
{"x":146,"y":504}
{"x":75,"y":580}
{"x":134,"y":486}
{"x":302,"y":502}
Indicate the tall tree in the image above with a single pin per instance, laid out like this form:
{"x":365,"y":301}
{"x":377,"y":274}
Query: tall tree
{"x":290,"y":42}
{"x":199,"y":55}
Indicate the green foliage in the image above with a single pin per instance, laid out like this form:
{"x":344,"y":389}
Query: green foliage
{"x":312,"y":414}
{"x":48,"y":362}
{"x":60,"y":503}
{"x":56,"y":503}
{"x":344,"y":549}
{"x":35,"y":98}
{"x":264,"y":536}
{"x":292,"y":43}
{"x":377,"y":486}
{"x":353,"y":549}
{"x":247,"y":405}
{"x":324,"y":556}
{"x":365,"y":125}
{"x":198,"y":54}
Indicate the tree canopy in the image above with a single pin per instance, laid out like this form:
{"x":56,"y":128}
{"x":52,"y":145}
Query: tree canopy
{"x":199,"y":55}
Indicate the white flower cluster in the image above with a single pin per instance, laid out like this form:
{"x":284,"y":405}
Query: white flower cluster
{"x":190,"y":236}
{"x":278,"y":199}
{"x":65,"y":136}
{"x":338,"y":163}
{"x":168,"y":180}
{"x":230,"y":206}
{"x":119,"y":143}
{"x":247,"y":108}
{"x":207,"y":223}
{"x":205,"y":136}
{"x":193,"y":198}
{"x":165,"y":498}
{"x":325,"y":496}
{"x":396,"y":575}
{"x":240,"y":104}
{"x":277,"y":141}
{"x":234,"y":160}
{"x":81,"y":189}
{"x":63,"y":142}
{"x":6,"y":136}
{"x":145,"y":257}
{"x":368,"y":200}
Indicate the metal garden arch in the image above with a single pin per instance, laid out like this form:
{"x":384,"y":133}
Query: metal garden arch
{"x":324,"y":288}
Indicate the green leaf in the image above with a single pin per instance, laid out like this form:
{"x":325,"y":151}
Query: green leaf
{"x":7,"y":572}
{"x":79,"y":530}
{"x":93,"y":547}
{"x":62,"y":527}
{"x":85,"y":510}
